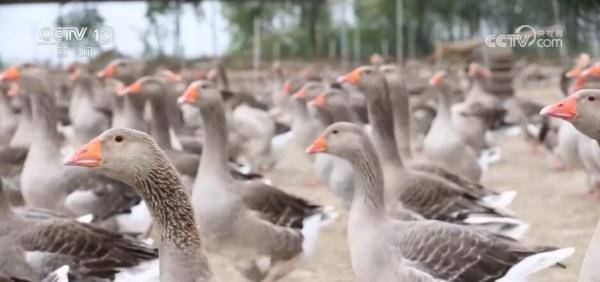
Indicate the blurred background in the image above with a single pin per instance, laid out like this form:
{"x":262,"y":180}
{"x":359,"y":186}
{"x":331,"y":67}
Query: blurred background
{"x":339,"y":31}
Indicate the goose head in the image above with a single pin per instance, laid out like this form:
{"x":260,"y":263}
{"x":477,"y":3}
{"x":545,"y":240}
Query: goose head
{"x":201,"y":94}
{"x":476,"y":70}
{"x":330,"y":98}
{"x":121,"y":69}
{"x":119,"y":153}
{"x":582,"y":109}
{"x":341,"y":139}
{"x":146,"y":86}
{"x":581,"y":62}
{"x":308,"y":91}
{"x":169,"y":76}
{"x":582,"y":77}
{"x":364,"y":77}
{"x":25,"y":78}
{"x":437,"y":79}
{"x":12,"y":73}
{"x":391,"y":71}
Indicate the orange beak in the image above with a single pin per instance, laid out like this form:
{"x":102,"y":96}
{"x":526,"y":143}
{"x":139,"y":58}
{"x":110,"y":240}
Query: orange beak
{"x":89,"y":155}
{"x":565,"y":109}
{"x":302,"y":93}
{"x":574,"y":72}
{"x":318,"y":101}
{"x":171,"y":76}
{"x":74,"y":74}
{"x":287,"y":88}
{"x":485,"y":72}
{"x":108,"y":71}
{"x":319,"y":146}
{"x":579,"y":83}
{"x":437,"y":79}
{"x":13,"y":90}
{"x":10,"y":74}
{"x":592,"y":71}
{"x":190,"y":96}
{"x":134,"y":88}
{"x":352,"y":77}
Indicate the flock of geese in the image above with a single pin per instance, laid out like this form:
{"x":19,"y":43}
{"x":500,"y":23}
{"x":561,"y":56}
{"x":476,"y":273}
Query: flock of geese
{"x":122,"y":174}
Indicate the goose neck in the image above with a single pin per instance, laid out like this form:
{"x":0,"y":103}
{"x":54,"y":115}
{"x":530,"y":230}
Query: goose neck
{"x":443,"y":106}
{"x":343,"y":113}
{"x":43,"y":108}
{"x":300,"y":110}
{"x":215,"y":155}
{"x":159,"y":125}
{"x":401,"y":113}
{"x":326,"y":117}
{"x":133,"y":112}
{"x":368,"y":179}
{"x":169,"y":205}
{"x":380,"y":117}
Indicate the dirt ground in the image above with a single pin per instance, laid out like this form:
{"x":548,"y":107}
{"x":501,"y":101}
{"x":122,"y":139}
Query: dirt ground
{"x":551,"y":202}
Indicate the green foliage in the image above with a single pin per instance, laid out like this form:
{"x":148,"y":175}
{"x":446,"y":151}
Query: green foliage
{"x":82,"y":16}
{"x":304,"y":28}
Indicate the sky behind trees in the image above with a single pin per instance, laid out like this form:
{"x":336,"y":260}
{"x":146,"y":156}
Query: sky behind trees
{"x":303,"y":29}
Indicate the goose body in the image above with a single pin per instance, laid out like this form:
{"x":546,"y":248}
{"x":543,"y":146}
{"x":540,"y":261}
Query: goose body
{"x":385,"y":249}
{"x":87,"y":121}
{"x":144,"y":166}
{"x":445,"y":146}
{"x":49,"y":190}
{"x":427,"y":195}
{"x":43,"y":232}
{"x":401,"y":113}
{"x":246,"y":219}
{"x":128,"y":111}
{"x":581,"y":110}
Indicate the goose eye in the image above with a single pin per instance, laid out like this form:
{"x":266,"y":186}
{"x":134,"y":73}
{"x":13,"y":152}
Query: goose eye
{"x":335,"y":131}
{"x":591,"y":98}
{"x":119,"y":138}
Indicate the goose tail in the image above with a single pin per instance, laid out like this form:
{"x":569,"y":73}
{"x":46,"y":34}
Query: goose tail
{"x":500,"y":200}
{"x":506,"y":226}
{"x":59,"y":275}
{"x":535,"y":263}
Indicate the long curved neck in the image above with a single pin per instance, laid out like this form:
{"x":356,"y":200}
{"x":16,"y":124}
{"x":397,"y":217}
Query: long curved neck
{"x":159,"y":125}
{"x":172,"y":213}
{"x":86,"y":84}
{"x":5,"y":208}
{"x":326,"y":117}
{"x":368,"y":179}
{"x":380,"y":117}
{"x":401,"y":113}
{"x":133,"y":108}
{"x":343,"y":112}
{"x":161,"y":189}
{"x":215,"y":154}
{"x":5,"y":109}
{"x":443,"y":106}
{"x":300,"y":110}
{"x":476,"y":87}
{"x":43,"y":108}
